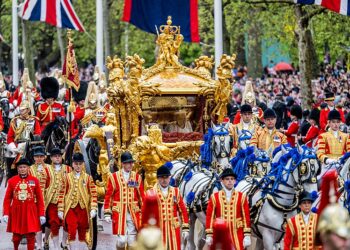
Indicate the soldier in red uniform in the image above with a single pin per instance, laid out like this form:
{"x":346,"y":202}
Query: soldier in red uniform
{"x":301,"y":229}
{"x":50,"y":109}
{"x":56,"y":173}
{"x":310,"y":138}
{"x":171,"y":205}
{"x":233,"y":207}
{"x":77,"y":203}
{"x":24,"y":209}
{"x":296,"y":114}
{"x":123,"y":202}
{"x":78,"y":114}
{"x":324,"y":112}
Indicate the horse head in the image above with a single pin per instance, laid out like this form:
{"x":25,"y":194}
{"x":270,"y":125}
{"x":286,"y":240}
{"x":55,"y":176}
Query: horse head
{"x":261,"y":164}
{"x":221,"y":144}
{"x":5,"y":106}
{"x":244,"y":137}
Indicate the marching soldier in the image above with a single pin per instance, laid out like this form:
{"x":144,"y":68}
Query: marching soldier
{"x":24,"y":209}
{"x":249,"y":99}
{"x":38,"y":170}
{"x":233,"y":207}
{"x":332,"y":144}
{"x":123,"y":202}
{"x":296,"y":114}
{"x":170,"y":205}
{"x":50,"y":109}
{"x":324,"y":112}
{"x":301,"y":229}
{"x":77,"y":203}
{"x":21,"y":128}
{"x":56,"y":174}
{"x":79,"y":98}
{"x":246,"y":123}
{"x":268,"y":138}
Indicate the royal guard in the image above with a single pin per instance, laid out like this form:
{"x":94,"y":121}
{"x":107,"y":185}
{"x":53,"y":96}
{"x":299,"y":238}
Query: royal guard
{"x":50,"y":109}
{"x":324,"y":112}
{"x":333,"y":144}
{"x":78,"y":114}
{"x":301,"y":229}
{"x":21,"y":128}
{"x":249,"y":98}
{"x":311,"y":136}
{"x":171,"y":205}
{"x":77,"y":203}
{"x":56,"y":174}
{"x":3,"y":92}
{"x":233,"y":207}
{"x":23,"y":209}
{"x":296,"y":114}
{"x":38,"y":170}
{"x":268,"y":138}
{"x":123,"y":202}
{"x":96,"y":75}
{"x":245,"y":126}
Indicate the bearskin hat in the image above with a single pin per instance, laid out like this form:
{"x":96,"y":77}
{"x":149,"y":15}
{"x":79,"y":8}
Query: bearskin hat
{"x":315,"y":115}
{"x":49,"y":87}
{"x":81,"y":94}
{"x":297,"y":111}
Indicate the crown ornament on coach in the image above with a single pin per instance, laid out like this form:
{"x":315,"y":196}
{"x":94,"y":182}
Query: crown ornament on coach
{"x":168,"y":28}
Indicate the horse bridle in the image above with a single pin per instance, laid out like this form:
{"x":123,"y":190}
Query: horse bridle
{"x":223,"y":152}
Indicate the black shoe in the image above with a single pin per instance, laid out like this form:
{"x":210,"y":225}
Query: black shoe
{"x":64,"y":248}
{"x":46,"y":246}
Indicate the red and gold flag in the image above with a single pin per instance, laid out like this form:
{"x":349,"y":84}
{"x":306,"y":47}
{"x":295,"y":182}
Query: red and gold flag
{"x":70,"y":71}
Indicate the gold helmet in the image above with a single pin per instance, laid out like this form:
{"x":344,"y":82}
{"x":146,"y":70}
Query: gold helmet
{"x":24,"y":105}
{"x":249,"y":94}
{"x":91,"y":95}
{"x":2,"y":82}
{"x":25,"y":78}
{"x":334,"y":218}
{"x":102,"y":83}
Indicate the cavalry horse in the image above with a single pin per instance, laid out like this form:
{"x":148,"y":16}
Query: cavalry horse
{"x":5,"y":107}
{"x":275,"y":197}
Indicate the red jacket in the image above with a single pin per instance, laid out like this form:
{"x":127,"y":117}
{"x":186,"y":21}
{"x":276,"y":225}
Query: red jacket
{"x":291,"y":132}
{"x":311,"y":136}
{"x":47,"y":113}
{"x":235,"y":213}
{"x":238,"y":116}
{"x":24,"y":204}
{"x":78,"y":115}
{"x":324,"y":118}
{"x":122,"y":196}
{"x":15,"y":123}
{"x":300,"y":235}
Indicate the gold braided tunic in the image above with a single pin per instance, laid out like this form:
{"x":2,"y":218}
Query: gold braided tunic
{"x":262,"y":139}
{"x":332,"y":147}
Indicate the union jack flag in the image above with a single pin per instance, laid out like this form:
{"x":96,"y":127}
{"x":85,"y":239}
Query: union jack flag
{"x":339,"y":6}
{"x":59,"y":13}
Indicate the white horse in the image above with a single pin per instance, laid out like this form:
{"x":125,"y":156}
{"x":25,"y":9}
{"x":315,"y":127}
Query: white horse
{"x":275,"y":197}
{"x":244,"y":137}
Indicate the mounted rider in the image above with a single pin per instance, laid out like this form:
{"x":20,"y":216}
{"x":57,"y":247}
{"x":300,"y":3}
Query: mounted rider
{"x":268,"y":138}
{"x":333,"y":144}
{"x":50,"y":109}
{"x":296,"y":114}
{"x":4,"y":93}
{"x":301,"y":229}
{"x":249,"y":99}
{"x":311,"y":136}
{"x":79,"y":112}
{"x":22,"y":127}
{"x":245,"y":125}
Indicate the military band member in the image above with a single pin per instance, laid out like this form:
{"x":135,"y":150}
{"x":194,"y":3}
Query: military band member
{"x":38,"y":170}
{"x":171,"y":206}
{"x":50,"y":109}
{"x":233,"y":207}
{"x":301,"y":229}
{"x":77,"y":203}
{"x":268,"y":138}
{"x":246,"y":123}
{"x":332,"y":144}
{"x":123,"y":202}
{"x":23,"y":209}
{"x":296,"y":114}
{"x":324,"y":112}
{"x":21,"y":128}
{"x":56,"y":173}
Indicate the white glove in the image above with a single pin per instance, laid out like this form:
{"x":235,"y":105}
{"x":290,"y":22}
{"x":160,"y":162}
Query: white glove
{"x":5,"y":218}
{"x":93,"y":213}
{"x":60,"y":215}
{"x":108,"y":219}
{"x":185,"y":235}
{"x":329,"y":161}
{"x":247,"y":241}
{"x":209,"y":240}
{"x":42,"y":220}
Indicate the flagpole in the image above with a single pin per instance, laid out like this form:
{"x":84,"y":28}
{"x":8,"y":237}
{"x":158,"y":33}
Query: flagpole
{"x":14,"y":43}
{"x":99,"y":34}
{"x":218,"y":31}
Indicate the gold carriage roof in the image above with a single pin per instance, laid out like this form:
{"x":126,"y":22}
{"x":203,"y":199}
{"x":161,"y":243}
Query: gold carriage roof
{"x":169,"y":74}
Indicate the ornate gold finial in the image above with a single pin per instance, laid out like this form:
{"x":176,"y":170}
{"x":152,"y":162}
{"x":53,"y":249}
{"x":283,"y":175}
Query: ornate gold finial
{"x":154,"y":133}
{"x":168,"y":28}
